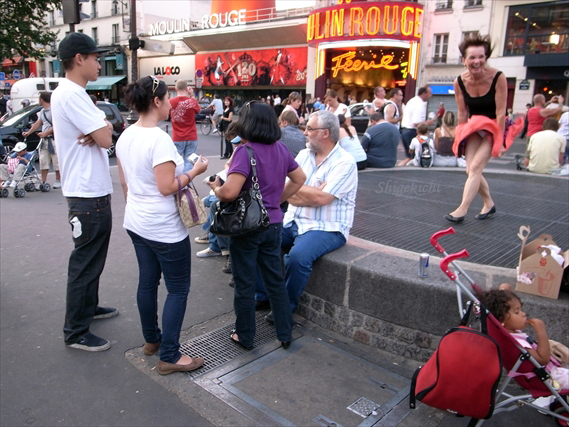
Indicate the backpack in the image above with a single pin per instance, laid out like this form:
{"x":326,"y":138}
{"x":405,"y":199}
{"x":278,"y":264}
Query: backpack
{"x":462,"y":375}
{"x":426,"y":157}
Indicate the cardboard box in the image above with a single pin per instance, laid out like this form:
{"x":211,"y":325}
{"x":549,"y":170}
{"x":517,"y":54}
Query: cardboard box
{"x":538,"y":272}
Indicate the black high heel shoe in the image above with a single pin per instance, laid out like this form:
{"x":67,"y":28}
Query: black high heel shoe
{"x":487,"y":214}
{"x":455,"y":219}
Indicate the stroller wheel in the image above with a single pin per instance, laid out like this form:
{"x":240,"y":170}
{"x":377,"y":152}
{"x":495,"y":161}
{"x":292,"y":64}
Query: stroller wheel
{"x":46,"y":187}
{"x":27,"y":187}
{"x":16,"y":193}
{"x":31,"y":188}
{"x":559,"y":409}
{"x":5,"y":192}
{"x":22,"y":192}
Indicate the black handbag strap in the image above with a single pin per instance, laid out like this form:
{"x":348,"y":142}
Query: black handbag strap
{"x":253,"y":162}
{"x":483,"y":319}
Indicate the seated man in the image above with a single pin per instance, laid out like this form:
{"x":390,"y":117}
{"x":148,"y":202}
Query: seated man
{"x":21,"y":160}
{"x":321,"y":213}
{"x":380,"y":142}
{"x":545,"y":149}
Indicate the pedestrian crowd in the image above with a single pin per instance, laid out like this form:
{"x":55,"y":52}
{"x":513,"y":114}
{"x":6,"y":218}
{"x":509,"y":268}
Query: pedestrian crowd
{"x":303,"y":157}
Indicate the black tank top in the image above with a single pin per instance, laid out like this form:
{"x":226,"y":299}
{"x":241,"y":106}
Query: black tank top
{"x":484,"y":105}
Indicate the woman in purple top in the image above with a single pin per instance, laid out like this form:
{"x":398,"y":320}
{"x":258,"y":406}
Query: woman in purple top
{"x":261,"y":250}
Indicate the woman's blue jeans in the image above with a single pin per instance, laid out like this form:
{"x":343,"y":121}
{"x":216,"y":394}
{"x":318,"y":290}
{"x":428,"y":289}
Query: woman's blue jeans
{"x":173,"y":260}
{"x":260,"y":250}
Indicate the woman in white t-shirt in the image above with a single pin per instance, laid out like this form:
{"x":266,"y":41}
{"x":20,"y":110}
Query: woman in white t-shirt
{"x":350,"y":142}
{"x":150,"y":170}
{"x":293,"y":103}
{"x":336,"y":107}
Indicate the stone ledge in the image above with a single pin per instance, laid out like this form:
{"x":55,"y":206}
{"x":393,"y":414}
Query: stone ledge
{"x":371,"y":293}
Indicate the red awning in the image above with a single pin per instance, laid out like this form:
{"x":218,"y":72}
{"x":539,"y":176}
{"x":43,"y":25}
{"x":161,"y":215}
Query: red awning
{"x":12,"y":62}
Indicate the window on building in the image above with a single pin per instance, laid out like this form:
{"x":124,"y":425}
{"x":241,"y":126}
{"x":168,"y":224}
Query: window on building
{"x":95,"y":35}
{"x":52,"y":18}
{"x":444,"y":4}
{"x":472,"y":3}
{"x":537,"y":28}
{"x":116,"y":36}
{"x":93,"y":9}
{"x":115,"y":8}
{"x":80,"y":30}
{"x":469,"y":34}
{"x":440,"y":49}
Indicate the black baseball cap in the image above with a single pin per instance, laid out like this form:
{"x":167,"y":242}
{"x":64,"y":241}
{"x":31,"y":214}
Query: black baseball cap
{"x":75,"y":43}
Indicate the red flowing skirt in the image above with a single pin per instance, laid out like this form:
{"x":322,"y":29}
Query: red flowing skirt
{"x":482,"y":123}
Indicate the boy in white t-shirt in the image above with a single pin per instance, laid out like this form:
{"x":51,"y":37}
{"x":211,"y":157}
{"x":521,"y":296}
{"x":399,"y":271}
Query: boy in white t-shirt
{"x":416,"y":146}
{"x":83,"y":137}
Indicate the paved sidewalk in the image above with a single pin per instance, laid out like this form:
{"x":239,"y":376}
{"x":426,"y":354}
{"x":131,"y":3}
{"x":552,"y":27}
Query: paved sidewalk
{"x":313,"y":383}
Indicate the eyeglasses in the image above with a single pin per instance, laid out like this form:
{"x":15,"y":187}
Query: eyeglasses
{"x":155,"y":84}
{"x":310,"y":128}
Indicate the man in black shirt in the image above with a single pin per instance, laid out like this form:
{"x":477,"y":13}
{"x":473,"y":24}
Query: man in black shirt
{"x":380,"y":142}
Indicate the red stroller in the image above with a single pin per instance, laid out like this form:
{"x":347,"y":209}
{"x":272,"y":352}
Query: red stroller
{"x":521,"y":366}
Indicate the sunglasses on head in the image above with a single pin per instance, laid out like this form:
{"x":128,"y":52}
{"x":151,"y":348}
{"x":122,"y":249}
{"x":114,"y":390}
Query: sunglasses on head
{"x":248,"y":105}
{"x":155,"y":84}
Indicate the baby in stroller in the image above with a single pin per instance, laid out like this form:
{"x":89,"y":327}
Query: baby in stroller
{"x":18,"y":161}
{"x":506,"y":306}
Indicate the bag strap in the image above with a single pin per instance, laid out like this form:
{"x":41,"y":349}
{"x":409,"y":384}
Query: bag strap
{"x":189,"y":198}
{"x":254,"y":177}
{"x":483,"y":317}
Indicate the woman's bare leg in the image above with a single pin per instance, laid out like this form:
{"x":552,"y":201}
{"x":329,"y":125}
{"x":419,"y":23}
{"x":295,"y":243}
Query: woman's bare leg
{"x":478,"y":153}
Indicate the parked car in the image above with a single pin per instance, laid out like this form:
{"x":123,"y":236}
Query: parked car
{"x":114,"y":116}
{"x":21,"y":121}
{"x":360,"y":117}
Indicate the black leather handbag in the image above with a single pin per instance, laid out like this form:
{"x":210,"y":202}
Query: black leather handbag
{"x":245,"y":214}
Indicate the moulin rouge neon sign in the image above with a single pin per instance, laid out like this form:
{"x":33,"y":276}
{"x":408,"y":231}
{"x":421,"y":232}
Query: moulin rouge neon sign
{"x":346,"y":62}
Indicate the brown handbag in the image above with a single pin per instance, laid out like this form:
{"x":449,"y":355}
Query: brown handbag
{"x":191,"y":207}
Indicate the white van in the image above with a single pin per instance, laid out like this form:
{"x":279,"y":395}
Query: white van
{"x":30,"y":89}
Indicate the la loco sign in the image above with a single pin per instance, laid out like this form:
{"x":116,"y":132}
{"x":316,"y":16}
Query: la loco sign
{"x":365,"y":20}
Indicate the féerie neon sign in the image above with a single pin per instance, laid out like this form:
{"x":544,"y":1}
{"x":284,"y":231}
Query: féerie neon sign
{"x":346,"y":62}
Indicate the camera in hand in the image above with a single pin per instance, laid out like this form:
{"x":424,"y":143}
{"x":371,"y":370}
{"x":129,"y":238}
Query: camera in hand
{"x":212,"y":178}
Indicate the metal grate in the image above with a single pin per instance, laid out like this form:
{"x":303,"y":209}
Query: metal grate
{"x":217,"y":349}
{"x":392,"y":214}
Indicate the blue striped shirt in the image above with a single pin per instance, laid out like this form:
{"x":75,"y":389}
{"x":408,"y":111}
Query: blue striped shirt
{"x":340,"y":173}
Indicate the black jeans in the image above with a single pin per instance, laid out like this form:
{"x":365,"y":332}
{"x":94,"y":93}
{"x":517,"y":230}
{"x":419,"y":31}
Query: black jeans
{"x":91,"y":223}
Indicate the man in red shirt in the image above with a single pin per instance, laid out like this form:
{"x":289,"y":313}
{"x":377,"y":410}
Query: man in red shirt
{"x":183,"y":116}
{"x":538,"y":113}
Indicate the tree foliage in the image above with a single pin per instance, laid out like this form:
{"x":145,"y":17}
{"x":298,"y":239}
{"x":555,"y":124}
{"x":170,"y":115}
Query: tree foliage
{"x":23,"y":27}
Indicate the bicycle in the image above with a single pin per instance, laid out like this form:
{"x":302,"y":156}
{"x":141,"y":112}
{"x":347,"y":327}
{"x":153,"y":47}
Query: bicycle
{"x":206,"y":125}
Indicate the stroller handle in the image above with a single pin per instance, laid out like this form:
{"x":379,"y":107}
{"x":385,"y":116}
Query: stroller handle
{"x":435,"y":239}
{"x":450,"y":258}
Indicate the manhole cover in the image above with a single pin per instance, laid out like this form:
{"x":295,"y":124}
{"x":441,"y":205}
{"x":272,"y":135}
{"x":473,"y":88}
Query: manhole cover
{"x":365,"y":407}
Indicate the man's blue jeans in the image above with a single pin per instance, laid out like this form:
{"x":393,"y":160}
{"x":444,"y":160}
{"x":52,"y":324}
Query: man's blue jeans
{"x":407,"y":136}
{"x":216,"y":243}
{"x":259,"y":251}
{"x":306,"y":248}
{"x":91,"y":222}
{"x":174,"y":261}
{"x":185,"y":148}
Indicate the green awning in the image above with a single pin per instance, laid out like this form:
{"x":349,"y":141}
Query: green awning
{"x":104,"y":83}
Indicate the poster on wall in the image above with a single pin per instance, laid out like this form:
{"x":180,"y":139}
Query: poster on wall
{"x":269,"y":67}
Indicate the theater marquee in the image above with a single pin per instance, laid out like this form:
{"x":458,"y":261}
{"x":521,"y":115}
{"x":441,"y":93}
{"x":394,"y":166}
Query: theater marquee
{"x":365,"y":20}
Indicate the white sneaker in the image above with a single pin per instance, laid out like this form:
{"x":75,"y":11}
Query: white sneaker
{"x":57,"y":184}
{"x":206,"y":253}
{"x":6,"y":184}
{"x":13,"y":184}
{"x":215,"y":130}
